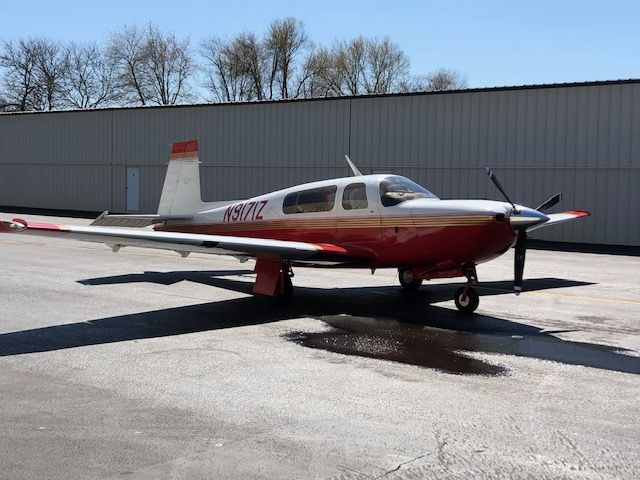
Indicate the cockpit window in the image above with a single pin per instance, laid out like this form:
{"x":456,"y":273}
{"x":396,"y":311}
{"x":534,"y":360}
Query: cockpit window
{"x":395,"y":190}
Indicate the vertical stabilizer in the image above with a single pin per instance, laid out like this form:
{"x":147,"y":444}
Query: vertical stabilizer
{"x":181,"y":190}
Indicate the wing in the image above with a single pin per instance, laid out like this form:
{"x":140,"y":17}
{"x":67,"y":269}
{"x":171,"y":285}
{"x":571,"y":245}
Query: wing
{"x":555,"y":218}
{"x":185,"y":243}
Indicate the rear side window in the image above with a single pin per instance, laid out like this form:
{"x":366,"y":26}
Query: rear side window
{"x":355,"y":196}
{"x":314,"y":200}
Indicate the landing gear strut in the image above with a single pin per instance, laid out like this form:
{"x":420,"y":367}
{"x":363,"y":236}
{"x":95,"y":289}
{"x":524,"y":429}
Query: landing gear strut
{"x":407,"y":280}
{"x":286,"y":292}
{"x":466,"y":298}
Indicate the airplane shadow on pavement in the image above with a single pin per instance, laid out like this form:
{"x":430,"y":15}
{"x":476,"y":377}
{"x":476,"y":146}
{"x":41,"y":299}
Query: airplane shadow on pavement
{"x":377,"y":322}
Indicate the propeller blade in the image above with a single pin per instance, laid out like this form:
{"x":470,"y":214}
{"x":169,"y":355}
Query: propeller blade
{"x":550,"y":203}
{"x":495,"y":181}
{"x":521,"y":251}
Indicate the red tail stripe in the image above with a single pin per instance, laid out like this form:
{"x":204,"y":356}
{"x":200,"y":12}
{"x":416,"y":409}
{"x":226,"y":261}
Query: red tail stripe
{"x":190,"y":146}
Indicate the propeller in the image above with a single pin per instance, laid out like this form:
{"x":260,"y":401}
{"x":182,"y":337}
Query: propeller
{"x":550,"y":203}
{"x":520,"y":219}
{"x":518,"y":262}
{"x":495,"y":181}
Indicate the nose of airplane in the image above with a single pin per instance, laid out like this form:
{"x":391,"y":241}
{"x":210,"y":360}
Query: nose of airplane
{"x":522,"y":218}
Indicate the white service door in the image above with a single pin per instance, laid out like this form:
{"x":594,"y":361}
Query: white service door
{"x":133,"y":189}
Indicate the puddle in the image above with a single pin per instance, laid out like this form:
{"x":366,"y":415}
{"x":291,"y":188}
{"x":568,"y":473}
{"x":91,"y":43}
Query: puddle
{"x":444,"y":349}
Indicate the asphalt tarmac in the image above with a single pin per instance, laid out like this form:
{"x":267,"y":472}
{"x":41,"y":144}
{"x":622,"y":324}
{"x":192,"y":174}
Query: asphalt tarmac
{"x":142,"y":364}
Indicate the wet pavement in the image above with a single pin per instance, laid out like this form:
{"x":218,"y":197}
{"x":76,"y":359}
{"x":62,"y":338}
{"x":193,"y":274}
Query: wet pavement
{"x":145,"y":365}
{"x":447,"y":350}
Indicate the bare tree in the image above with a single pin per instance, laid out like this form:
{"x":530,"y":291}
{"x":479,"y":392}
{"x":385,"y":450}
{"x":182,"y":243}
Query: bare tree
{"x":437,"y":81}
{"x":368,"y":66}
{"x":444,"y":79}
{"x":144,"y":65}
{"x":284,"y":42}
{"x":89,"y":77}
{"x":152,"y":66}
{"x":167,"y":67}
{"x":225,"y":74}
{"x":317,"y":77}
{"x":127,"y":52}
{"x":386,"y":66}
{"x":249,"y":55}
{"x":350,"y":62}
{"x":19,"y":81}
{"x":50,"y":67}
{"x":32,"y":72}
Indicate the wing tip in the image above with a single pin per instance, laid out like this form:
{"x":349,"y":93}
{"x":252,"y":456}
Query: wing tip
{"x":13,"y":226}
{"x":579,"y":213}
{"x":24,"y":225}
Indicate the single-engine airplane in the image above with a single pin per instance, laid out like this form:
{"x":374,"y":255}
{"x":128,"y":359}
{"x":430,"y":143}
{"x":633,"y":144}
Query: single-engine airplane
{"x":367,"y":221}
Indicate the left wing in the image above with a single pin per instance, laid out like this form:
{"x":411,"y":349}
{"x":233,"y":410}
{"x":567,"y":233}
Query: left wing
{"x":185,"y":243}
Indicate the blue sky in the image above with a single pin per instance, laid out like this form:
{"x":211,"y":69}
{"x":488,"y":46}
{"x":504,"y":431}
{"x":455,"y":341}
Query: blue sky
{"x":493,"y":42}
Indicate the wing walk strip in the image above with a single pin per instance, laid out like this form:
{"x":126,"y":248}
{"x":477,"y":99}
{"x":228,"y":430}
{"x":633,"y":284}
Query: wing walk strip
{"x":331,"y":223}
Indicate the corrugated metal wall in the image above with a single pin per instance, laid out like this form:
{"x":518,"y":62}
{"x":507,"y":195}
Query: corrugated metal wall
{"x":583,"y":140}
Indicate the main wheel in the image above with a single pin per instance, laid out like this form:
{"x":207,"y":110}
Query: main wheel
{"x":407,"y":280}
{"x":470,"y":303}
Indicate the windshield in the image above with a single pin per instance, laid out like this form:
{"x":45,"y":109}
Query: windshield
{"x":395,"y":190}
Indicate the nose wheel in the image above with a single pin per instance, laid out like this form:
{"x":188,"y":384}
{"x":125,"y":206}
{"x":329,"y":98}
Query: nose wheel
{"x":467,"y":299}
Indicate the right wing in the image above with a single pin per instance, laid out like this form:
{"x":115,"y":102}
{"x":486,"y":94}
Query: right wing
{"x":555,"y":218}
{"x":184,"y":243}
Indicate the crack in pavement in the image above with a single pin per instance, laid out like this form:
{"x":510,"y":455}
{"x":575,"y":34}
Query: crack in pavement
{"x":400,"y":466}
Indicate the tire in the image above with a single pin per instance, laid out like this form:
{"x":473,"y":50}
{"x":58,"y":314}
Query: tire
{"x":407,"y":281}
{"x":470,"y":304}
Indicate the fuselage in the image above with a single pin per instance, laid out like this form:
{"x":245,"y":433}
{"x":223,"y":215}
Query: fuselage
{"x":399,"y":222}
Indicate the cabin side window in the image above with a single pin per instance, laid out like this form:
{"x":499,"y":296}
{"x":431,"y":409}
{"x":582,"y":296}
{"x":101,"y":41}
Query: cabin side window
{"x":355,"y":196}
{"x":313,"y":200}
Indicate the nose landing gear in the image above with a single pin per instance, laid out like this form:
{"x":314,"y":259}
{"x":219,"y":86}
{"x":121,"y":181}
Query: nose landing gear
{"x":466,"y":298}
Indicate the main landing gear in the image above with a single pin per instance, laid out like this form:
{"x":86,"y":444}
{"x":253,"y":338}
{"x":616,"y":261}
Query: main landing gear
{"x":273,"y":279}
{"x":286,"y":292}
{"x":408,"y":281}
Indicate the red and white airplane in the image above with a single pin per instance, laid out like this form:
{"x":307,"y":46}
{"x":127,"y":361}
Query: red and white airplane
{"x":368,"y":221}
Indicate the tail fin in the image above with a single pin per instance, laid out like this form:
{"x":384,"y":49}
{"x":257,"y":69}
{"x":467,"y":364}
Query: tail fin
{"x":181,"y":190}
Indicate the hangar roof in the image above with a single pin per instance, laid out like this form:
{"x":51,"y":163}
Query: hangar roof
{"x":352,"y":97}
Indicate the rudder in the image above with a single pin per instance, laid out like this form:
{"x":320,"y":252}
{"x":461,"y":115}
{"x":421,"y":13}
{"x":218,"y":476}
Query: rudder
{"x":181,"y":190}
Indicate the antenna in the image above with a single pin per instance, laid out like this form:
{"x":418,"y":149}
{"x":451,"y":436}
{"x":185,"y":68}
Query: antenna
{"x":354,"y":169}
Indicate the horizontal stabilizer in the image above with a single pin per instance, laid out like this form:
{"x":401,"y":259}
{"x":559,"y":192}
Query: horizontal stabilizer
{"x":135,"y":221}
